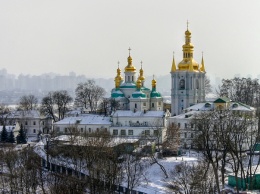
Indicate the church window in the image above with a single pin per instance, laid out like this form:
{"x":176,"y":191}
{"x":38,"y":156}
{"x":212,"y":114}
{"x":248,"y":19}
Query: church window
{"x":135,"y":105}
{"x":66,"y":130}
{"x":182,"y":84}
{"x":144,"y":104}
{"x":179,"y":125}
{"x":129,"y":78}
{"x":155,"y":132}
{"x":185,"y":135}
{"x":132,"y":78}
{"x":130,"y":132}
{"x":26,"y":123}
{"x":81,"y":130}
{"x":115,"y":132}
{"x":34,"y":130}
{"x":123,"y":133}
{"x":153,"y":105}
{"x":34,"y":122}
{"x":89,"y":130}
{"x":159,"y":103}
{"x":97,"y":130}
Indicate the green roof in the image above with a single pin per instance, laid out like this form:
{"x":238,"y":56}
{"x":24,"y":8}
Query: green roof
{"x":117,"y":93}
{"x":155,"y":94}
{"x":222,"y":100}
{"x":138,"y":94}
{"x":257,"y":147}
{"x":127,"y":86}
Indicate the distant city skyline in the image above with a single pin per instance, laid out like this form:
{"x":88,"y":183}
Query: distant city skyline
{"x":90,"y":37}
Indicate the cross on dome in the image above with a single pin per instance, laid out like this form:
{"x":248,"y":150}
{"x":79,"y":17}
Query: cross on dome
{"x":129,"y":50}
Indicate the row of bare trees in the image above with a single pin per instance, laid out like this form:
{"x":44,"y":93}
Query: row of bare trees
{"x":92,"y":163}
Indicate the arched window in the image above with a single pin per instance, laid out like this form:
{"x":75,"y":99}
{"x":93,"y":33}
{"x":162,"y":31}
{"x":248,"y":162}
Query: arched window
{"x":182,"y":84}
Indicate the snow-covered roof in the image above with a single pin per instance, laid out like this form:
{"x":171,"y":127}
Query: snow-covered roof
{"x":189,"y":115}
{"x":85,"y":120}
{"x":129,"y":113}
{"x":24,"y":114}
{"x":210,"y":106}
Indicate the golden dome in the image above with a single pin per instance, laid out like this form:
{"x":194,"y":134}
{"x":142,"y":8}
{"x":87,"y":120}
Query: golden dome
{"x":117,"y":82}
{"x":141,"y":76}
{"x":153,"y":83}
{"x":187,"y":33}
{"x":138,"y":83}
{"x":188,"y":63}
{"x":120,"y":78}
{"x":130,"y":67}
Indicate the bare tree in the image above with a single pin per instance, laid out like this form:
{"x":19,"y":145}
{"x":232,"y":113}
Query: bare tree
{"x":193,"y":178}
{"x":4,"y":113}
{"x":56,"y":103}
{"x":208,"y":87}
{"x":28,"y":102}
{"x":172,"y":140}
{"x":88,"y":95}
{"x":243,"y":90}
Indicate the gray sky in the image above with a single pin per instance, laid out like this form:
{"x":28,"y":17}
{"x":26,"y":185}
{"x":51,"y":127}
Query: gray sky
{"x":90,"y":36}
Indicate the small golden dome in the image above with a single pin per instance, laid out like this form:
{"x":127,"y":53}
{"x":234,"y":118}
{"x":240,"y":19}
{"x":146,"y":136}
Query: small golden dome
{"x":139,"y":83}
{"x":141,"y":76}
{"x":153,"y":83}
{"x":130,"y":67}
{"x":187,"y":32}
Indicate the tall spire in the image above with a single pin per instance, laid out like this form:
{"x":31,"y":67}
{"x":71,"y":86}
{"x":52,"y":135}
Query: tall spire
{"x":202,"y":68}
{"x":173,"y":64}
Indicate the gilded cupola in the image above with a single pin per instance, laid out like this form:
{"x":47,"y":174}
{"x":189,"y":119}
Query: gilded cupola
{"x":154,"y":93}
{"x":188,"y":63}
{"x":130,"y":67}
{"x":153,"y":83}
{"x":118,"y":79}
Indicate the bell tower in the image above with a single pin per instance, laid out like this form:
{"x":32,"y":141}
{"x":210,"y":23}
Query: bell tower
{"x":187,"y":79}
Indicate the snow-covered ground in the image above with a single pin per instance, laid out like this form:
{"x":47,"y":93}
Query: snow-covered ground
{"x":156,"y":179}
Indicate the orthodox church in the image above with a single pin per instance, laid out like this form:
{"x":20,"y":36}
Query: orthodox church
{"x":132,"y":94}
{"x":187,"y":79}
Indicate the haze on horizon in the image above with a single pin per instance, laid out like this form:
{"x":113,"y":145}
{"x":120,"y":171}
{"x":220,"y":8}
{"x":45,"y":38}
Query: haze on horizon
{"x":90,"y":37}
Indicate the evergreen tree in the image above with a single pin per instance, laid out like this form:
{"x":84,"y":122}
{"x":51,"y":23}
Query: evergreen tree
{"x":4,"y":136}
{"x":11,"y":138}
{"x":21,"y":137}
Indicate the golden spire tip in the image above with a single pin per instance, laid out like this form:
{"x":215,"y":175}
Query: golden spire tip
{"x":129,"y":51}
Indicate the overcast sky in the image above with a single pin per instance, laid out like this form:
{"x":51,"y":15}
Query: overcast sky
{"x":90,"y":36}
